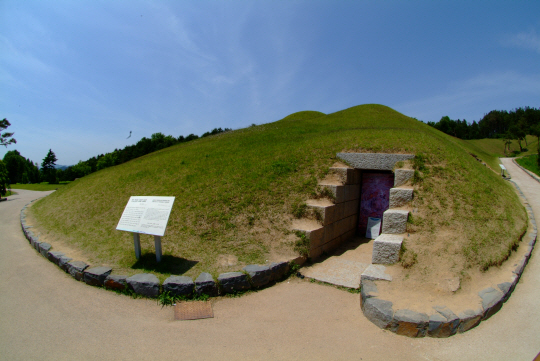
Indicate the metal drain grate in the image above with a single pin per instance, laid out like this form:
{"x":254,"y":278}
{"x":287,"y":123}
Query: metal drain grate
{"x":193,"y":310}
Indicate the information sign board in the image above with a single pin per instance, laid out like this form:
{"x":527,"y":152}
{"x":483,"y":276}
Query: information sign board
{"x":148,"y":215}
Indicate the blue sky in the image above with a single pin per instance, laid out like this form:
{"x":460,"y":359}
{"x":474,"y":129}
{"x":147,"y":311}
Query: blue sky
{"x":78,"y":76}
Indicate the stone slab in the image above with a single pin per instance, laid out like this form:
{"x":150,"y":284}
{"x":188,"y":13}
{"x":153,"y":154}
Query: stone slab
{"x":375,"y":272}
{"x":492,"y":301}
{"x":435,"y":325}
{"x":63,"y":262}
{"x":278,"y":270}
{"x":386,"y":249}
{"x":231,"y":282}
{"x":145,"y":284}
{"x":469,"y":319}
{"x":395,"y":221}
{"x":96,"y":276}
{"x":451,"y":325}
{"x":54,"y":256}
{"x":44,"y":249}
{"x":205,"y":284}
{"x":402,"y":176}
{"x":373,"y":161}
{"x":336,"y":271}
{"x":368,"y":289}
{"x":410,"y":323}
{"x":76,"y":269}
{"x":259,"y":275}
{"x":179,"y":285}
{"x":115,"y":282}
{"x":507,"y":289}
{"x":400,"y":197}
{"x":379,"y":312}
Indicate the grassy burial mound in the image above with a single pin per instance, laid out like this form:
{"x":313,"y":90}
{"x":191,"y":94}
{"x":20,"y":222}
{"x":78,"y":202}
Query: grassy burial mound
{"x":236,"y":194}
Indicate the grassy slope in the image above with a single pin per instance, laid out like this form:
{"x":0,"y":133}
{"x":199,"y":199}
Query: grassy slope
{"x":235,"y":191}
{"x":489,"y":150}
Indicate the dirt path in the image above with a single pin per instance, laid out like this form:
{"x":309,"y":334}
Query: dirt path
{"x":45,"y":314}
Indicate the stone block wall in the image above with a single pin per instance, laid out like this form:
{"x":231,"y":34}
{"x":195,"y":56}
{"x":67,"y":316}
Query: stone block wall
{"x":338,"y":220}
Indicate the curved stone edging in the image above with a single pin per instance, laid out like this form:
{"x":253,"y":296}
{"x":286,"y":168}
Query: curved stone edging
{"x":533,"y":176}
{"x":444,"y":323}
{"x":148,"y":285}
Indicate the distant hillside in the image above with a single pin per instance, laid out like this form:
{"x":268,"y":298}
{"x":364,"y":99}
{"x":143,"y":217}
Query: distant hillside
{"x":235,"y":193}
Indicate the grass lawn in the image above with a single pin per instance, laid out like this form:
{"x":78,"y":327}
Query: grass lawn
{"x":489,"y":150}
{"x":236,"y":191}
{"x":530,"y":162}
{"x":44,"y":186}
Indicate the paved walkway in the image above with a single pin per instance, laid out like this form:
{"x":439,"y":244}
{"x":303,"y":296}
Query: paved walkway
{"x":47,"y":315}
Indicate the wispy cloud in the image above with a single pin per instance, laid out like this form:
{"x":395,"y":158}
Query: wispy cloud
{"x":527,"y":40}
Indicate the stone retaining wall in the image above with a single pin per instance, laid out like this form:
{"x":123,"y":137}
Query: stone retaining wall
{"x":444,"y":322}
{"x":148,"y":285}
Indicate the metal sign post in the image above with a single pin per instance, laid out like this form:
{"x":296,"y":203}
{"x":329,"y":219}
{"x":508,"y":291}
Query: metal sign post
{"x":157,"y":244}
{"x":147,"y":215}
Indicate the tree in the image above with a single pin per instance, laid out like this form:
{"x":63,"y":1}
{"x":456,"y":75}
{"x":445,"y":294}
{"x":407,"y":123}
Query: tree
{"x":507,"y":139}
{"x":4,"y":138}
{"x":80,"y":169}
{"x":535,"y":130}
{"x":48,"y":167}
{"x":108,"y":160}
{"x":4,"y":180}
{"x":14,"y":164}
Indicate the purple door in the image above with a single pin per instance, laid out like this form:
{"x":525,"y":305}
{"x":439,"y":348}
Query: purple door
{"x":374,"y":197}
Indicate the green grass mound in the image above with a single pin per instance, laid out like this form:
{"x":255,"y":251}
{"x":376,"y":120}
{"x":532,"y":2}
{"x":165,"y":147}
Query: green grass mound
{"x":235,"y":193}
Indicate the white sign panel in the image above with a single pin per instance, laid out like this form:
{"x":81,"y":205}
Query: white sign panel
{"x":373,"y":227}
{"x":148,"y":215}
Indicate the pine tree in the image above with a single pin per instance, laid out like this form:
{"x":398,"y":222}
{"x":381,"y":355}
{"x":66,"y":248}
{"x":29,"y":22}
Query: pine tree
{"x":4,"y":138}
{"x":48,"y":167}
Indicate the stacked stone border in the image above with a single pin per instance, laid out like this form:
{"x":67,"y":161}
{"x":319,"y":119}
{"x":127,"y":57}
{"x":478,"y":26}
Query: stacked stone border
{"x":444,"y":323}
{"x":148,"y":285}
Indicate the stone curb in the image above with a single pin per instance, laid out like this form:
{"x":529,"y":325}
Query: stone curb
{"x":533,"y":176}
{"x":444,"y":323}
{"x":148,"y":285}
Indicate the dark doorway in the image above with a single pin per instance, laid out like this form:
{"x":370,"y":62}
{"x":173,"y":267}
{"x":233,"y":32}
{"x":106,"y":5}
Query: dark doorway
{"x":374,"y":197}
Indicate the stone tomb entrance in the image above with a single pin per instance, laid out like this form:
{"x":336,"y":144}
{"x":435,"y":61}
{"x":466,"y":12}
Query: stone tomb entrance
{"x":371,"y":186}
{"x":374,"y":197}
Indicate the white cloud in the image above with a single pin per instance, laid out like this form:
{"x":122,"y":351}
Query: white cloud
{"x":526,"y":40}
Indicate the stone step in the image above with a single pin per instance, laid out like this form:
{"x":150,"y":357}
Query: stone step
{"x":400,"y":196}
{"x":342,"y":193}
{"x":329,"y":212}
{"x":395,"y":221}
{"x":386,"y":249}
{"x":347,"y":175}
{"x":402,"y":176}
{"x":326,"y":238}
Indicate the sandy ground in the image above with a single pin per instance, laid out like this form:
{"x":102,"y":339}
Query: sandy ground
{"x":45,"y":314}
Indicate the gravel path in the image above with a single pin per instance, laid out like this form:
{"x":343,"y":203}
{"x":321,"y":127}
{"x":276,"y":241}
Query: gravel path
{"x":47,"y":315}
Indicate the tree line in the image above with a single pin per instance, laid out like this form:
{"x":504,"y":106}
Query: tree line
{"x":22,"y":170}
{"x":509,"y":125}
